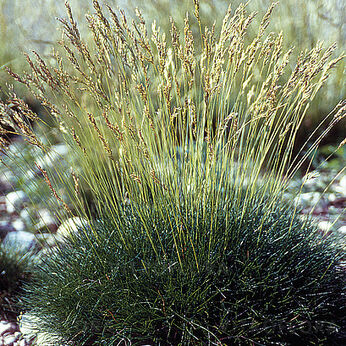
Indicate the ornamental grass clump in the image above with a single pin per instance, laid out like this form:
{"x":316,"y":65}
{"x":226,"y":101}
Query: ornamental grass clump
{"x":237,"y":279}
{"x":179,"y":157}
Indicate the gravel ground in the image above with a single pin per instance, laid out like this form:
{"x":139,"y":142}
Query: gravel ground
{"x":10,"y":335}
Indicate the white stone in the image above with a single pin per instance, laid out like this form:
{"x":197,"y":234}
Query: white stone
{"x":7,"y":327}
{"x":8,"y":178}
{"x":72,"y":225}
{"x":23,"y":342}
{"x":3,"y":327}
{"x":18,"y":225}
{"x":28,"y":327}
{"x":46,"y":220}
{"x":341,"y":187}
{"x":46,"y":215}
{"x":309,"y":198}
{"x":9,"y":340}
{"x":57,"y":152}
{"x":21,"y":239}
{"x":342,"y":229}
{"x":26,"y":217}
{"x":17,"y":335}
{"x":324,"y":225}
{"x":311,"y":179}
{"x":331,"y":197}
{"x":48,"y":239}
{"x":14,"y":200}
{"x":30,"y":174}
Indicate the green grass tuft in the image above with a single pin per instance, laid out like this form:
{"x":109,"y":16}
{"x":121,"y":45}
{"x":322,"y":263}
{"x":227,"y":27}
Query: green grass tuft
{"x":181,"y":145}
{"x":262,"y":277}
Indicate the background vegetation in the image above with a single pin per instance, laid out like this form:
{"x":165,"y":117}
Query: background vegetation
{"x":304,"y":24}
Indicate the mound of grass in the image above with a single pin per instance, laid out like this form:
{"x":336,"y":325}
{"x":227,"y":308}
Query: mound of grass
{"x":184,"y":150}
{"x":261,"y":277}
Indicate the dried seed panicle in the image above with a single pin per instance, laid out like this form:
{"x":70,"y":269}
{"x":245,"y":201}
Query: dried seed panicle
{"x":100,"y":136}
{"x":196,"y":12}
{"x":136,"y":178}
{"x":77,"y":140}
{"x":16,"y":116}
{"x":157,"y":180}
{"x":342,"y":143}
{"x":76,"y":182}
{"x":49,"y":183}
{"x":115,"y":128}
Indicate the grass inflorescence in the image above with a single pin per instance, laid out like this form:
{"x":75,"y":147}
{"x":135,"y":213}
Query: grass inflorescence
{"x":180,"y":153}
{"x":303,"y":23}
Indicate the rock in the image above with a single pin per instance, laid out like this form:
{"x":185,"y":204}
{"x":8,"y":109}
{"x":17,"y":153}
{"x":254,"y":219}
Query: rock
{"x":23,"y":343}
{"x":17,"y":335}
{"x":72,"y":225}
{"x":9,"y":340}
{"x":8,"y":179}
{"x":339,"y":203}
{"x":47,"y":221}
{"x":309,"y":198}
{"x":48,"y":239}
{"x":31,"y":173}
{"x":3,"y":207}
{"x":56,"y":152}
{"x":342,"y":230}
{"x":341,"y":187}
{"x":331,"y":197}
{"x":324,"y":225}
{"x":5,"y":185}
{"x":21,"y":240}
{"x":5,"y":228}
{"x":14,"y":200}
{"x":18,"y":225}
{"x":28,"y":327}
{"x":7,"y":327}
{"x":311,"y":179}
{"x":26,"y":217}
{"x":60,"y":149}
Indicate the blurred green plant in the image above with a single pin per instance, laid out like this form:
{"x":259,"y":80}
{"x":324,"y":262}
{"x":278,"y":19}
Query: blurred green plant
{"x":16,"y":267}
{"x":13,"y":263}
{"x":336,"y":157}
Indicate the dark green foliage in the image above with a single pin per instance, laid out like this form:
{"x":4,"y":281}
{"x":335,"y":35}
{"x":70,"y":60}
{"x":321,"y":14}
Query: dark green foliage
{"x":14,"y":264}
{"x":15,"y":267}
{"x":258,"y":281}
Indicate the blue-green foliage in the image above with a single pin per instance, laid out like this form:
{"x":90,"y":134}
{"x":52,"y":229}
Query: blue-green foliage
{"x":262,"y":275}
